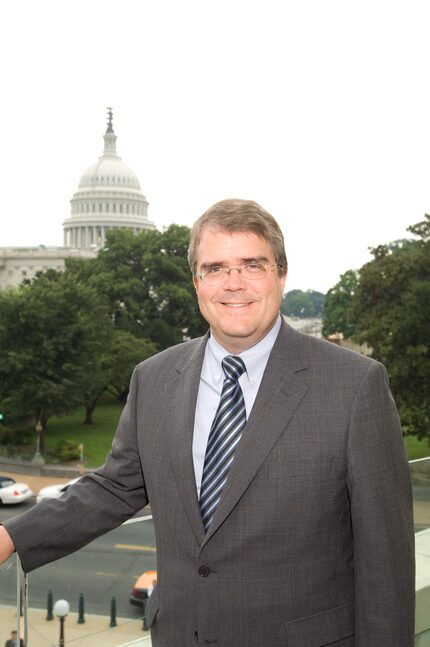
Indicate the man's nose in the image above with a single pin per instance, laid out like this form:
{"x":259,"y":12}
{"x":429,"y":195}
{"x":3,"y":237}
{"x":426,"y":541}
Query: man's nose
{"x":234,"y":280}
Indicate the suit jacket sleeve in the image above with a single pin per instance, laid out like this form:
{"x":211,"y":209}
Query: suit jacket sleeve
{"x":96,"y":504}
{"x":382,"y":520}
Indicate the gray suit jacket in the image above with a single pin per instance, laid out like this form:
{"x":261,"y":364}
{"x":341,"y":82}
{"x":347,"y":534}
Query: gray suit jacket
{"x":312,"y":542}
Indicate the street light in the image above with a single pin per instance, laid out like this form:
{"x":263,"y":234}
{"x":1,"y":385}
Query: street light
{"x":38,"y":458}
{"x":61,"y":609}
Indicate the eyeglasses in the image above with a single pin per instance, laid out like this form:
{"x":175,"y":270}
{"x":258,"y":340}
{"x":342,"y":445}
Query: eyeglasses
{"x":254,"y":271}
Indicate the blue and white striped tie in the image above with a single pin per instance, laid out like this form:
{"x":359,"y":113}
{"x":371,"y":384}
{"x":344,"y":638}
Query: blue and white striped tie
{"x":225,"y":433}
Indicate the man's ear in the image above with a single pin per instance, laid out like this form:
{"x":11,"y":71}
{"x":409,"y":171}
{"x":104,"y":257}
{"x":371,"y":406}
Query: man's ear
{"x":283,"y":280}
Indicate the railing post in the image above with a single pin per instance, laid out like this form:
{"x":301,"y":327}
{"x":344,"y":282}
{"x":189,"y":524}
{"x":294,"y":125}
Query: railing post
{"x":50,"y":605}
{"x":113,"y":613}
{"x":21,"y":601}
{"x":81,"y":618}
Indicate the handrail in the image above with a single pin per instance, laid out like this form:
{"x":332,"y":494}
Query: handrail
{"x":21,"y":601}
{"x":22,"y":578}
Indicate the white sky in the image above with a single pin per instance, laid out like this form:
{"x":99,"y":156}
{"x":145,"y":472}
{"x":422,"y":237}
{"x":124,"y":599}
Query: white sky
{"x":319,"y":110}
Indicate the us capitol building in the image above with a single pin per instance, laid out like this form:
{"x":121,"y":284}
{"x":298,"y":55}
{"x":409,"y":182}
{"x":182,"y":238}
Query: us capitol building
{"x":108,"y":197}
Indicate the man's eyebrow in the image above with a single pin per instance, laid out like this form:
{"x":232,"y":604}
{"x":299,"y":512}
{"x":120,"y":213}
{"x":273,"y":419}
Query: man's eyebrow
{"x":205,"y":266}
{"x":250,"y":259}
{"x":256,"y":259}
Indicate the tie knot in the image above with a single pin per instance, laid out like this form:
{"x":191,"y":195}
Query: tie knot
{"x":233,"y":367}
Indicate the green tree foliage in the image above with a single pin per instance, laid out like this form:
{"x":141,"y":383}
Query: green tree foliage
{"x":148,"y":284}
{"x":297,"y":303}
{"x":337,"y":306}
{"x":126,"y":352}
{"x":52,"y":333}
{"x":391,"y":308}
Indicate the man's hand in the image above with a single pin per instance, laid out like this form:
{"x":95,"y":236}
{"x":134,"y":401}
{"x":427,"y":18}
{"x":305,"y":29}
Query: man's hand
{"x":6,"y":545}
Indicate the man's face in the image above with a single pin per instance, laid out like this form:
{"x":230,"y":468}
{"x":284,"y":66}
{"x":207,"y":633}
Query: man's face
{"x":239,"y":311}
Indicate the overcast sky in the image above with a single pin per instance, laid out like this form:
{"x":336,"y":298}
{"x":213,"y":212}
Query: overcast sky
{"x":318,"y":110}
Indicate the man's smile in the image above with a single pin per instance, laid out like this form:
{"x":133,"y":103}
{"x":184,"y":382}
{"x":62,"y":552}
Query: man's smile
{"x":236,"y":305}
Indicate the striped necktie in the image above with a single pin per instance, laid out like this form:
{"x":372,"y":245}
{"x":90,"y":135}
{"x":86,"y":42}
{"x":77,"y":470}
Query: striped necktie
{"x":224,"y":435}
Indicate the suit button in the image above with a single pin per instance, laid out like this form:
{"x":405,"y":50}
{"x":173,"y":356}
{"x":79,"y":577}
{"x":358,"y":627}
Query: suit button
{"x":204,"y":571}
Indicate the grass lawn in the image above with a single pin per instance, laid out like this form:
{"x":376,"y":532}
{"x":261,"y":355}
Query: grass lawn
{"x":416,"y":448}
{"x":96,"y":438}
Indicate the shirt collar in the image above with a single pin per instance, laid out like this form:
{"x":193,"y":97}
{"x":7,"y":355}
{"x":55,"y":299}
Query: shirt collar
{"x":255,"y":358}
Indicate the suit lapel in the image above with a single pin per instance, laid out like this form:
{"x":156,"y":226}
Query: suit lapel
{"x":181,"y":394}
{"x":280,"y":393}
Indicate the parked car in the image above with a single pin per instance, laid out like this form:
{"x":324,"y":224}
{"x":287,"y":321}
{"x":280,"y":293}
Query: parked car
{"x":55,"y":491}
{"x":144,"y":584}
{"x":13,"y":492}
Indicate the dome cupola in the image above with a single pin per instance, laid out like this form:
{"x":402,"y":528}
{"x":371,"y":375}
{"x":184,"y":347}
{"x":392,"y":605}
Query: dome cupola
{"x":108,"y":197}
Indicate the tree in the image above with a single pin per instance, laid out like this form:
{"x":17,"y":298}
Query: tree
{"x":116,"y":365}
{"x":52,"y":333}
{"x":297,"y":303}
{"x":147,"y":282}
{"x":337,"y":306}
{"x":126,"y":352}
{"x":391,"y":308}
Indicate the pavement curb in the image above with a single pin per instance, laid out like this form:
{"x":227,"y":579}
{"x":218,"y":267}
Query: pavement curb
{"x":95,"y":632}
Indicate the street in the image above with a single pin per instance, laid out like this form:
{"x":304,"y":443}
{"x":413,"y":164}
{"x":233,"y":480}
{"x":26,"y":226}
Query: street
{"x":105,"y":568}
{"x":110,"y":565}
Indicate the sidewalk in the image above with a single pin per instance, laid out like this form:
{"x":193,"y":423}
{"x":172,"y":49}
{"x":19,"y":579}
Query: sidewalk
{"x":95,"y":632}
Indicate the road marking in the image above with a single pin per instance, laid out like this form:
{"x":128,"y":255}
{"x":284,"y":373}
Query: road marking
{"x":147,"y":549}
{"x":132,"y":577}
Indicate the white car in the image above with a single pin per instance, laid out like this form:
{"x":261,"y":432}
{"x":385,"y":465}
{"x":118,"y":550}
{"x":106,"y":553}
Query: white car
{"x":54,"y":491}
{"x":13,"y":492}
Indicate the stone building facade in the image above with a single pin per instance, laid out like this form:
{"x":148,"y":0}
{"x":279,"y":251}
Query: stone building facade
{"x":108,"y":197}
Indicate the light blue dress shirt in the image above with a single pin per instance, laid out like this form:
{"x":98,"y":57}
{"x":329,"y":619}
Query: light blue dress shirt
{"x":210,"y":387}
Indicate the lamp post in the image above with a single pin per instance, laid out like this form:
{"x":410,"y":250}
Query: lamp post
{"x":38,"y":458}
{"x":61,"y":609}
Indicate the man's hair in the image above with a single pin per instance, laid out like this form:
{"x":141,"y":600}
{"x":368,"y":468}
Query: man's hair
{"x":244,"y":216}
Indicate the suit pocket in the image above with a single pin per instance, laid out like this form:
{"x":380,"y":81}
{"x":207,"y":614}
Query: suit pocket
{"x":151,"y":609}
{"x":322,"y":629}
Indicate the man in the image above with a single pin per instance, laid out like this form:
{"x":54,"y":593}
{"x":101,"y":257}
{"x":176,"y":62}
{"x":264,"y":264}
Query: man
{"x":13,"y":640}
{"x":285,"y":521}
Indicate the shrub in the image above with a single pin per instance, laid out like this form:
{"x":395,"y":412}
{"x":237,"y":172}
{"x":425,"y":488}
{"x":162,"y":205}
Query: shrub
{"x":17,"y":437}
{"x":67,"y":450}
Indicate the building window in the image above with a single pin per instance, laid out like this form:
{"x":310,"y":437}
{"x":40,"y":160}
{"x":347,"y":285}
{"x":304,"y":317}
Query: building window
{"x":24,"y":272}
{"x":94,"y":207}
{"x":114,"y":208}
{"x":107,"y":208}
{"x":120,"y":208}
{"x":126,"y":208}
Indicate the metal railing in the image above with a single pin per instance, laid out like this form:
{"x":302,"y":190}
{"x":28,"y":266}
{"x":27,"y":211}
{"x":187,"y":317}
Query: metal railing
{"x":130,"y":630}
{"x":101,"y":629}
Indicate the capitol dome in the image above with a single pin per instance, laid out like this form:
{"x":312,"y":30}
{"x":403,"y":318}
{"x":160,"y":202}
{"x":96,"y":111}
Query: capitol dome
{"x":108,"y":197}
